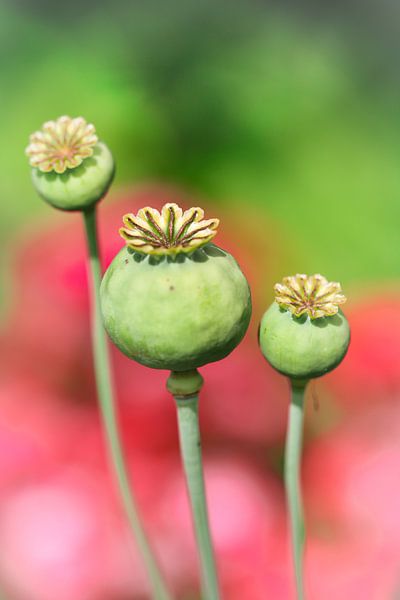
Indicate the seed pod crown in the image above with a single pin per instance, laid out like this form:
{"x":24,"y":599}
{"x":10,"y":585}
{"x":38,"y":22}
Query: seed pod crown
{"x":168,"y":232}
{"x":61,"y":144}
{"x":313,"y":295}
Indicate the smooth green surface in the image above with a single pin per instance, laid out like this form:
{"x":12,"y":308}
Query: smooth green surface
{"x":175,"y":314}
{"x":293,"y":448}
{"x":78,"y":188}
{"x":301,"y":348}
{"x":190,"y":445}
{"x":108,"y":412}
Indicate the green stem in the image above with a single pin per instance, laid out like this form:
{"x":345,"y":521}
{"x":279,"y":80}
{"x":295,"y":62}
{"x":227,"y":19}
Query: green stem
{"x":190,"y":444}
{"x":293,"y":448}
{"x":108,"y":411}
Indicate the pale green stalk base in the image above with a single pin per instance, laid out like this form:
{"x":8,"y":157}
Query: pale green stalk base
{"x":189,"y":437}
{"x":107,"y":406}
{"x":293,"y":449}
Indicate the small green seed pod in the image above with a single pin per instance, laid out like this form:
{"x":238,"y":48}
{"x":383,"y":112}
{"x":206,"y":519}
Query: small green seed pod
{"x":170,"y":299}
{"x":304,"y":334}
{"x":71,"y":168}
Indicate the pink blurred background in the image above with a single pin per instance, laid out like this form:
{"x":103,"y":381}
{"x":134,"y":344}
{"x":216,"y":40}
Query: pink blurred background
{"x":62,"y":531}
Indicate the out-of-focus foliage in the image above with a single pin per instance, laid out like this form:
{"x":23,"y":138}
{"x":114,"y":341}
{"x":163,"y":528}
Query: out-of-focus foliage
{"x":245,"y":105}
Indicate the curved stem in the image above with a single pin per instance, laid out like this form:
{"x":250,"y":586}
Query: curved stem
{"x":293,"y":449}
{"x":108,"y":411}
{"x":189,"y":437}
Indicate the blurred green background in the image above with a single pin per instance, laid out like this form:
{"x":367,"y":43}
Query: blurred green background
{"x":293,"y":107}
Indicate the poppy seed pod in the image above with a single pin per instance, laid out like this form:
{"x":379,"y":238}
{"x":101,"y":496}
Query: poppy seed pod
{"x":170,"y":299}
{"x":71,"y":168}
{"x":304,"y":334}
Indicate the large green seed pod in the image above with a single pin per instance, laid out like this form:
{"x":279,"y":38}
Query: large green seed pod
{"x":72,"y":170}
{"x":304,"y":334}
{"x":170,"y":299}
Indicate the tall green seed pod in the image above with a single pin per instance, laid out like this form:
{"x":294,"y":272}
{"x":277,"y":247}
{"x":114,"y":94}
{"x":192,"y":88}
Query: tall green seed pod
{"x":71,"y":168}
{"x":303,"y":335}
{"x":172,"y":300}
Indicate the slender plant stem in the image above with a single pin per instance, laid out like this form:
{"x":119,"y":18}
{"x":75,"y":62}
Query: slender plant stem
{"x":108,"y":412}
{"x":189,"y":437}
{"x":293,"y":449}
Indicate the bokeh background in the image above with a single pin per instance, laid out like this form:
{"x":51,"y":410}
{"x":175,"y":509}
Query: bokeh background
{"x":282,"y":119}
